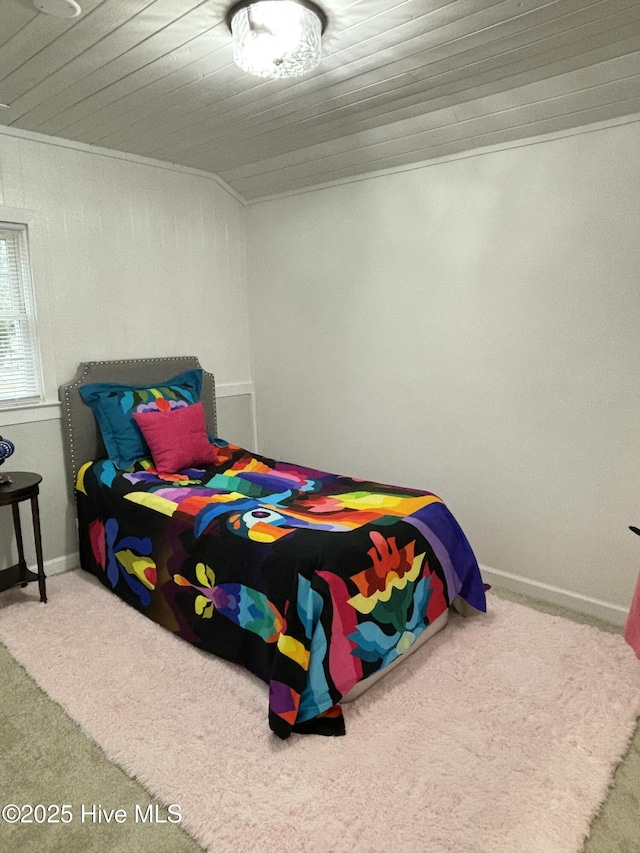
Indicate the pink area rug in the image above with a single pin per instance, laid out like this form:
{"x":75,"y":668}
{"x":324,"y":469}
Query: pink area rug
{"x":500,"y":735}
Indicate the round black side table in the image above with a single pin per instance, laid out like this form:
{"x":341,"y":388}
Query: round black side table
{"x":24,"y":486}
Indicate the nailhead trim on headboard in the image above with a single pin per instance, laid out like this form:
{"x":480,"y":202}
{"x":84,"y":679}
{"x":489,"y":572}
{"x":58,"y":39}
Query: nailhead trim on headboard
{"x":84,"y":369}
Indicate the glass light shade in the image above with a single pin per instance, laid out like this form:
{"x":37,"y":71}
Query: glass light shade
{"x":276,"y":38}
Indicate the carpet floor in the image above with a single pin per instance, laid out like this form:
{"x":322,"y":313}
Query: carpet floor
{"x":513,"y":751}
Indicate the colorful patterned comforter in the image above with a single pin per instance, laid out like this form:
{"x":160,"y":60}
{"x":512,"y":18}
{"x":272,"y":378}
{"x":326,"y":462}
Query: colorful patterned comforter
{"x":311,"y":581}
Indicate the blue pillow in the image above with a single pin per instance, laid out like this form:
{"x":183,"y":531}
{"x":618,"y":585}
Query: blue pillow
{"x":113,"y":406}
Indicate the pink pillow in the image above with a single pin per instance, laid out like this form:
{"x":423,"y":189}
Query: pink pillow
{"x":177,"y":438}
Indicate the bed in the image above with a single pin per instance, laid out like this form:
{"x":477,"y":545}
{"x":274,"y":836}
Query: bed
{"x":318,"y":584}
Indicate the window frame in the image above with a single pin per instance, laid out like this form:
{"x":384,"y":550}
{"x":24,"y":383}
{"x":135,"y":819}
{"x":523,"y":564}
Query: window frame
{"x":48,"y":406}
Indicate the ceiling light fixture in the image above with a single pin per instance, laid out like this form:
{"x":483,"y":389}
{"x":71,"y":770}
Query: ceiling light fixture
{"x":276,"y":38}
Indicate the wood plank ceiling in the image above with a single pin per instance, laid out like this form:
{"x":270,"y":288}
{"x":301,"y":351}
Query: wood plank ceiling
{"x":401,"y":81}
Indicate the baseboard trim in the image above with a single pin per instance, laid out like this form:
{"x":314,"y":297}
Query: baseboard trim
{"x":556,"y":595}
{"x":60,"y":564}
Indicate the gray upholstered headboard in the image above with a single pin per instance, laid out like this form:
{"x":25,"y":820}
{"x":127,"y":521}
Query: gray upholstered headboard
{"x":81,"y":436}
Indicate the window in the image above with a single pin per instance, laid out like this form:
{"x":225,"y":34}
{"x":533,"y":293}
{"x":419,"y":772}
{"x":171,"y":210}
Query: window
{"x":20,"y":368}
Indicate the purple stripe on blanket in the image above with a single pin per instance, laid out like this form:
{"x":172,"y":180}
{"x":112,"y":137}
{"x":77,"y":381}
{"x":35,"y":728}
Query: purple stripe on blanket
{"x":453,"y":551}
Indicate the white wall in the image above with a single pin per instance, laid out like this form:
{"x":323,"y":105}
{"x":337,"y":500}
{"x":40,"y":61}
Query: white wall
{"x":131,"y":259}
{"x":472,"y":328}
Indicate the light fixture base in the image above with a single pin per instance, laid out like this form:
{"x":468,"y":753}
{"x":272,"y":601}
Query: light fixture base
{"x":306,"y":4}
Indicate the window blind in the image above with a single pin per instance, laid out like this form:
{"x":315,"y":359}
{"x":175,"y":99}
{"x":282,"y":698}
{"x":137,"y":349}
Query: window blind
{"x":20,"y":372}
